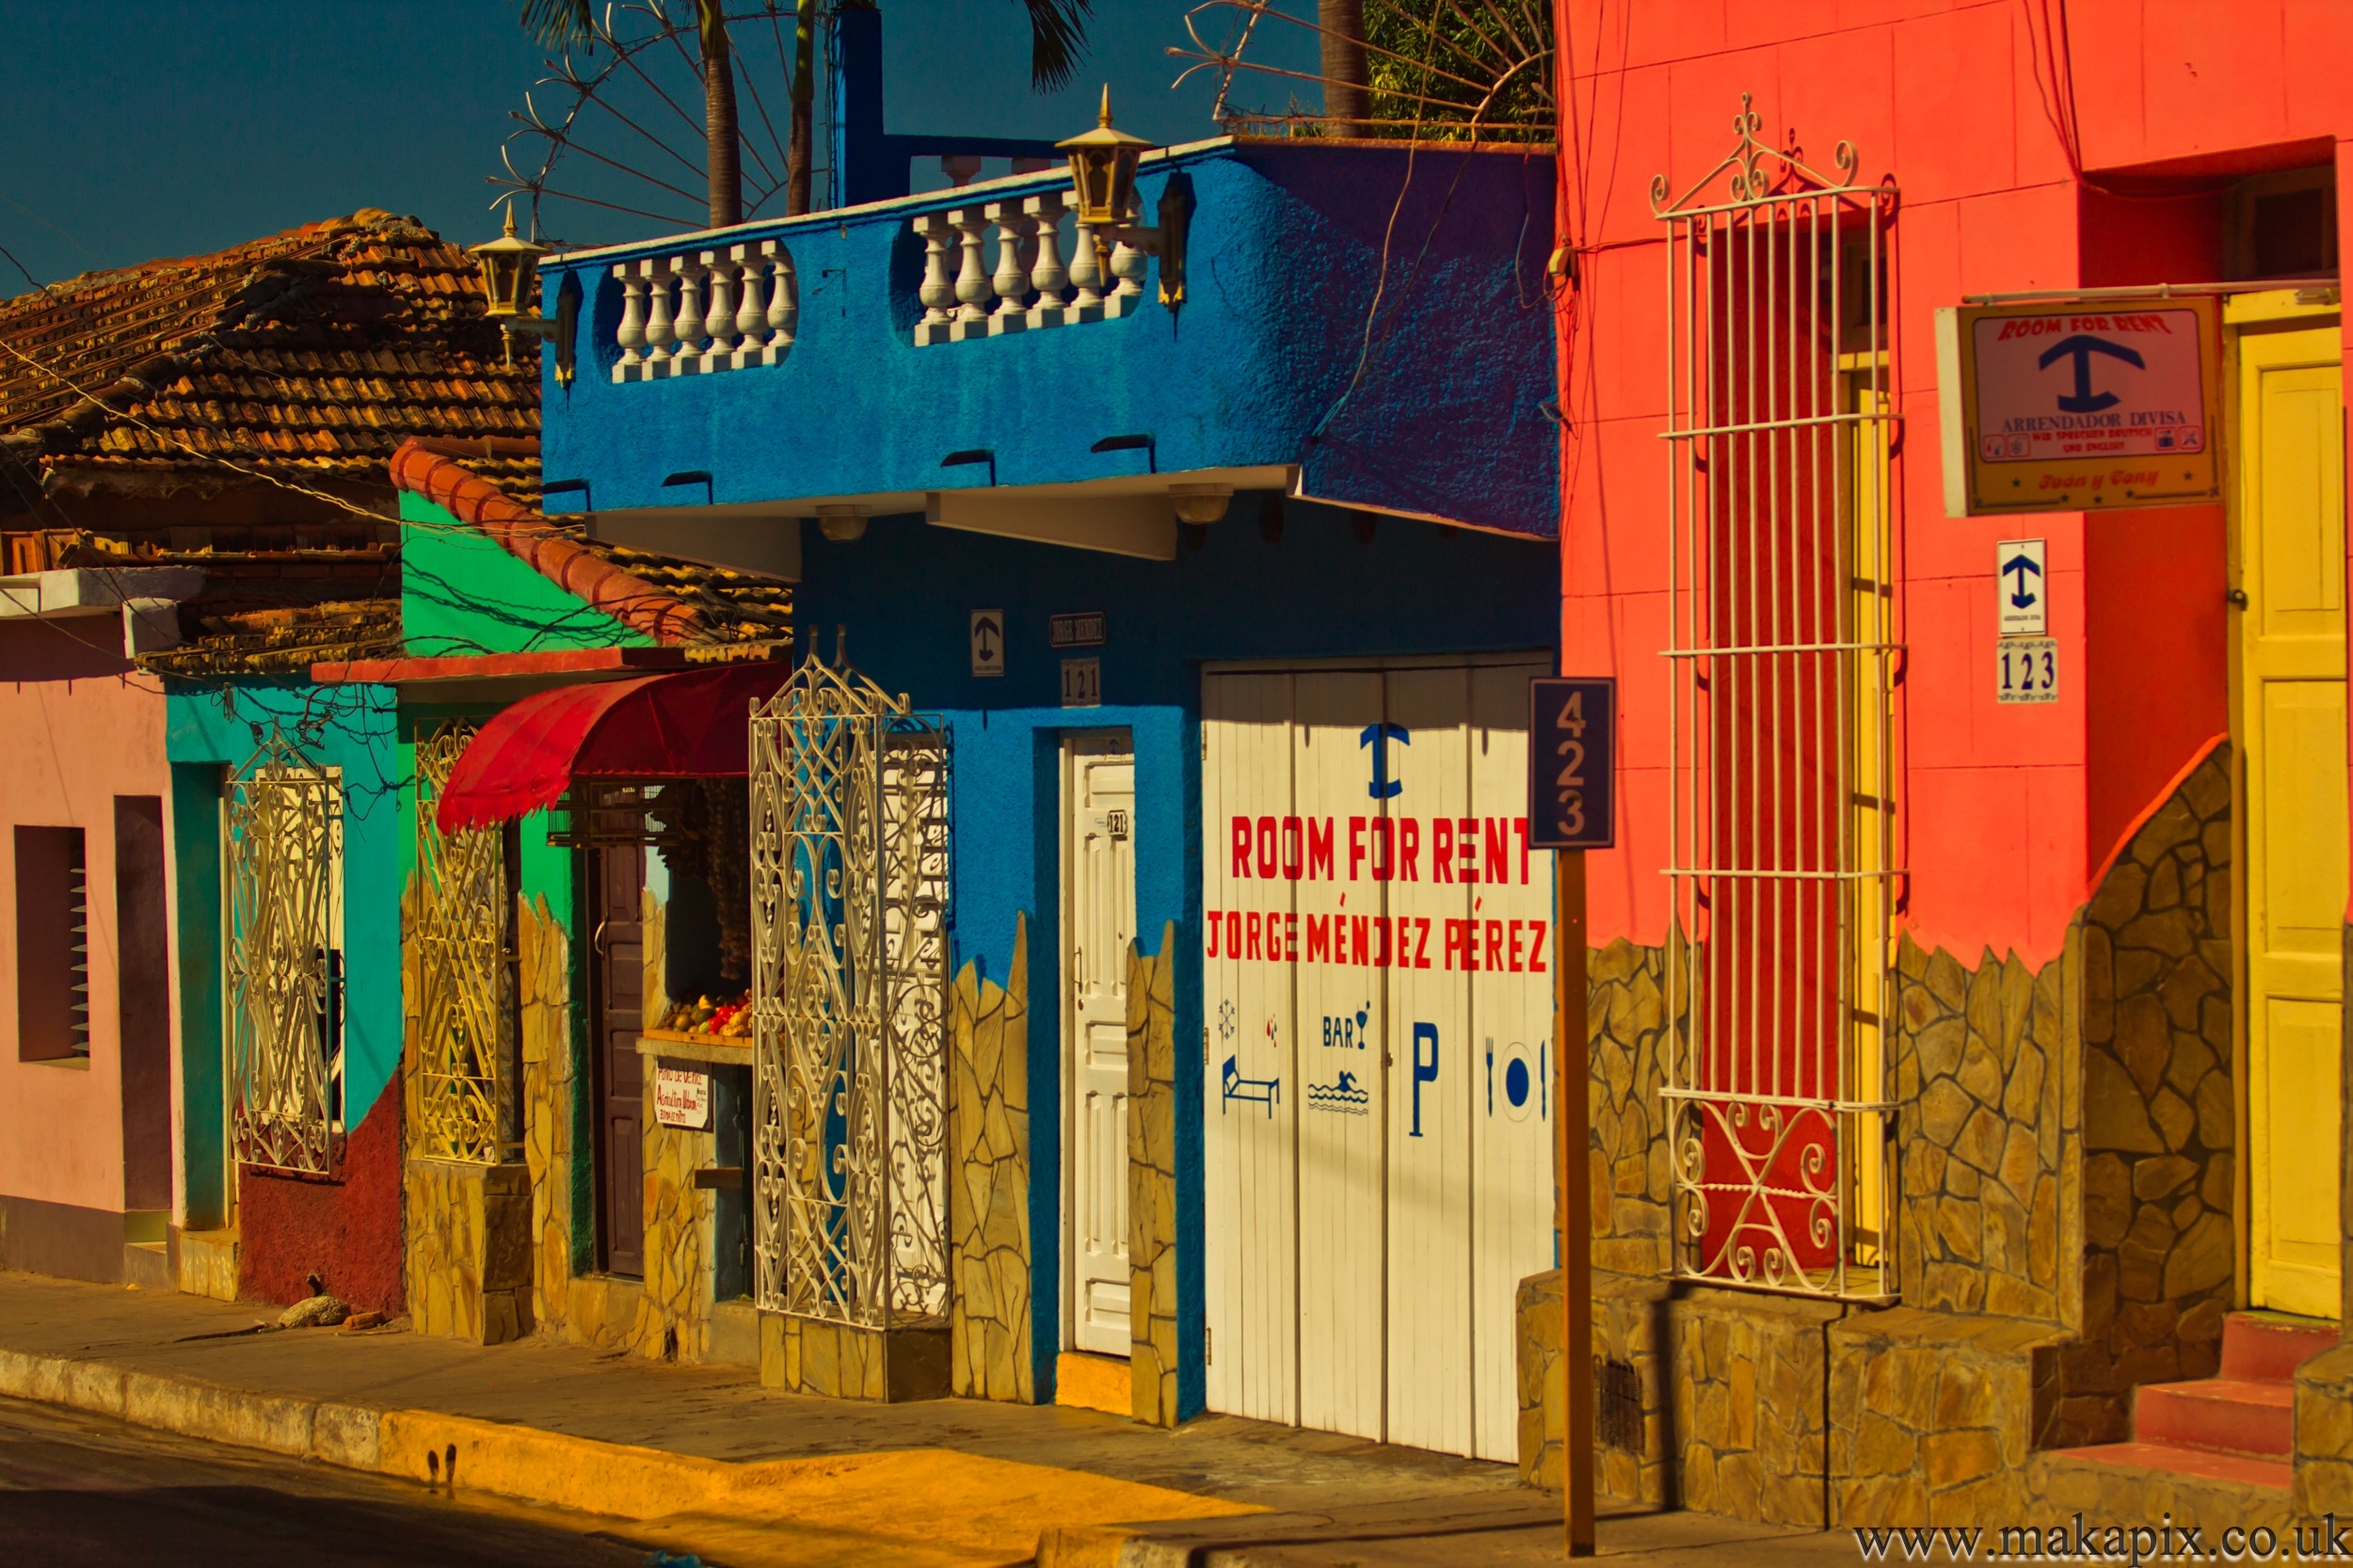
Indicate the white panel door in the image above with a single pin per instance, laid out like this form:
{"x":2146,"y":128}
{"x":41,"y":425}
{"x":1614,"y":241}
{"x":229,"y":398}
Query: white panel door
{"x":1345,"y":1111}
{"x":1511,"y":1010}
{"x":1250,"y":1082}
{"x":1099,"y":920}
{"x":1430,"y":1072}
{"x":1378,"y":1049}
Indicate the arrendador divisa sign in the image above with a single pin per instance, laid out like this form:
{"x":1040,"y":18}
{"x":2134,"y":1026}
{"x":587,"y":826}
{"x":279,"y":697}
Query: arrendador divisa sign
{"x":2075,"y":408}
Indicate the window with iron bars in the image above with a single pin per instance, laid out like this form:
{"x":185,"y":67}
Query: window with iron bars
{"x":1785,"y":654}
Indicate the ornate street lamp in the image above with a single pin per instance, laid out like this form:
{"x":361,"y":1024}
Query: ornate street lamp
{"x":1103,"y":173}
{"x":509,"y":264}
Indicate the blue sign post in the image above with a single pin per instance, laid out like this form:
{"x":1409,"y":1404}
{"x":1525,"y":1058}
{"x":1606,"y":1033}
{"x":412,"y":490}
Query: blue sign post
{"x":1571,"y":807}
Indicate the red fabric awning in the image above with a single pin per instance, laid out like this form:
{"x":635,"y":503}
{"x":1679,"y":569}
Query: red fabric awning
{"x":692,"y":724}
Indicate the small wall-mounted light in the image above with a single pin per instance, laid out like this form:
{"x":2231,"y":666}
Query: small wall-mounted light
{"x":973,"y":454}
{"x":842,"y":523}
{"x":1200,"y":503}
{"x":1103,"y":176}
{"x":509,"y":264}
{"x":1141,"y":442}
{"x":693,"y":476}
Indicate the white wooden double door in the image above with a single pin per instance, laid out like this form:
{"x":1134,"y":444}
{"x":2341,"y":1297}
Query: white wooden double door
{"x":1377,"y":1047}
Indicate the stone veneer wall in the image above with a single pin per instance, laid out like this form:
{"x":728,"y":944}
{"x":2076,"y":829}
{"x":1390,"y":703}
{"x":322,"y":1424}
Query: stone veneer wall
{"x":988,"y":1199}
{"x":2159,"y":1116}
{"x":1152,"y":1181}
{"x":548,"y":1066}
{"x":1632,"y":1180}
{"x":1985,"y":1068}
{"x":2065,"y":1147}
{"x":465,"y":1227}
{"x":674,"y":1309}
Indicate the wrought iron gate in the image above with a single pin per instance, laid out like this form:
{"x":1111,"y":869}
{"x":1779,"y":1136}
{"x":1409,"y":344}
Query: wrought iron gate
{"x":285,"y":842}
{"x":849,"y":836}
{"x":1783,"y":645}
{"x":465,"y":980}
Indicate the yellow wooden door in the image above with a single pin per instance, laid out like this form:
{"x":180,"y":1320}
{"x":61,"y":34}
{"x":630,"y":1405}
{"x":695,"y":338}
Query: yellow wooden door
{"x":2290,"y":702}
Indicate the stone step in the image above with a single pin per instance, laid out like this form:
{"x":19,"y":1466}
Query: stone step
{"x":2230,"y":1416}
{"x":2265,"y":1481}
{"x":2272,"y":1344}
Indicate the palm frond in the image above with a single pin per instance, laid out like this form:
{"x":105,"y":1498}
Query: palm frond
{"x":559,"y":23}
{"x":1057,"y":39}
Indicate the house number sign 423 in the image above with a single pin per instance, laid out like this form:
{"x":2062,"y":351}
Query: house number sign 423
{"x":1573,"y":763}
{"x":2028,"y":669}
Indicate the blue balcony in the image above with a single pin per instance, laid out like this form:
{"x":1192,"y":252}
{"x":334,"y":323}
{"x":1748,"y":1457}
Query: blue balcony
{"x":1363,"y":325}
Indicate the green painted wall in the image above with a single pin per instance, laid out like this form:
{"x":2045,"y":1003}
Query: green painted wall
{"x":462,"y":593}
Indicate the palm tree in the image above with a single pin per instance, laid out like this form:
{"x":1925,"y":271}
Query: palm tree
{"x":1057,"y":39}
{"x":1347,"y":98}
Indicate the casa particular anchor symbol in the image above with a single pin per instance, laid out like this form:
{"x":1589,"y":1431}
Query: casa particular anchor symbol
{"x":2081,"y":347}
{"x":2021,"y":596}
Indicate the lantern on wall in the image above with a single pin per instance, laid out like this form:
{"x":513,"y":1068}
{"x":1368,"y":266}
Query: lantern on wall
{"x":1103,"y":177}
{"x":1103,"y":169}
{"x":509,"y":264}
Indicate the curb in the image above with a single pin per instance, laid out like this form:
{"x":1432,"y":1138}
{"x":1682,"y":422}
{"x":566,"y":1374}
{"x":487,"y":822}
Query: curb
{"x":585,"y":1474}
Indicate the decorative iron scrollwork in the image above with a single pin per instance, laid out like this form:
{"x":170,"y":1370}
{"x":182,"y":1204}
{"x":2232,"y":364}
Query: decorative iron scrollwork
{"x":465,"y":1004}
{"x":849,"y":839}
{"x":285,"y":843}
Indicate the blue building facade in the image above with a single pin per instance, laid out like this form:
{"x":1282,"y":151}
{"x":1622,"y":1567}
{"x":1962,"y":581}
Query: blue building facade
{"x":994,"y":503}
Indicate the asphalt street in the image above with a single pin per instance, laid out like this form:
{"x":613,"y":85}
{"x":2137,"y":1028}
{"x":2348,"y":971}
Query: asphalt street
{"x":80,"y":1491}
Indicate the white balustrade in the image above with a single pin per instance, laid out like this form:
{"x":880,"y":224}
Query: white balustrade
{"x":1045,"y":275}
{"x":973,"y":284}
{"x":699,"y":312}
{"x":705,"y":312}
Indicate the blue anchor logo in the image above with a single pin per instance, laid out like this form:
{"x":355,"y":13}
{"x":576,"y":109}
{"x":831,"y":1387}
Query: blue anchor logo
{"x":1378,"y":736}
{"x":2081,"y":347}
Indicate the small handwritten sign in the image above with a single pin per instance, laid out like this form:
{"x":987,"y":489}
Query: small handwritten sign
{"x":681,"y":1098}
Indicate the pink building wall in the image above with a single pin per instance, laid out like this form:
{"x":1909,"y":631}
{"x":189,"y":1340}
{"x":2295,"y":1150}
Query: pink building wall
{"x":2009,"y":813}
{"x":80,"y":729}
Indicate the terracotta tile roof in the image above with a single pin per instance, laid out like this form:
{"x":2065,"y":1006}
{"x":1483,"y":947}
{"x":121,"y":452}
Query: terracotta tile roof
{"x":285,"y":641}
{"x":674,"y":601}
{"x":311,"y":354}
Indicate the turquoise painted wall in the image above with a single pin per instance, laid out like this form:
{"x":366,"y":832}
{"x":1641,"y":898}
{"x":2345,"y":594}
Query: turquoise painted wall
{"x":462,"y":593}
{"x":209,"y":728}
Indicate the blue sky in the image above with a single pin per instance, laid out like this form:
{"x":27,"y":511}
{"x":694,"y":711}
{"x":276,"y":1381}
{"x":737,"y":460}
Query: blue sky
{"x":138,"y":129}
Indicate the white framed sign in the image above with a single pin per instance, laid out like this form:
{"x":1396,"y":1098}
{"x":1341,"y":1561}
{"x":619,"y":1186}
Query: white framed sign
{"x":681,"y":1098}
{"x":2021,"y":599}
{"x":988,"y":642}
{"x":2075,"y":408}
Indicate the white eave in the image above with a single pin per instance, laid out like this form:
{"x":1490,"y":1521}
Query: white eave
{"x":94,"y":590}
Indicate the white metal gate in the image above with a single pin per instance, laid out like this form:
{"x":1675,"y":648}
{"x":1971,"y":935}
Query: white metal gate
{"x":1378,"y":998}
{"x":1784,"y":641}
{"x":849,"y":839}
{"x":284,"y":994}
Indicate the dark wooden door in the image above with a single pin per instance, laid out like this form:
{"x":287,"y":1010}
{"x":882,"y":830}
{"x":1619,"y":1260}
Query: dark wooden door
{"x":616,"y":1000}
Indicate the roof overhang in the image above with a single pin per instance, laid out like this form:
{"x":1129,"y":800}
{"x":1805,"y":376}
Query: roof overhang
{"x":94,"y":590}
{"x":497,"y":677}
{"x":1125,"y":515}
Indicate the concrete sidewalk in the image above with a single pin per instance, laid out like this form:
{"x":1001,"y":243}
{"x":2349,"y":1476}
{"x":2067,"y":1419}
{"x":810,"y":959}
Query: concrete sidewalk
{"x":804,"y":1481}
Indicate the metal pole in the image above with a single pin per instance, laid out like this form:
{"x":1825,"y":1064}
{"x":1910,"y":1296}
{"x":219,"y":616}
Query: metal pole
{"x":1574,"y":1165}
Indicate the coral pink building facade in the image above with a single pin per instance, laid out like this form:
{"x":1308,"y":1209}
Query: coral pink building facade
{"x":86,"y":1172}
{"x":2087,"y":1066}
